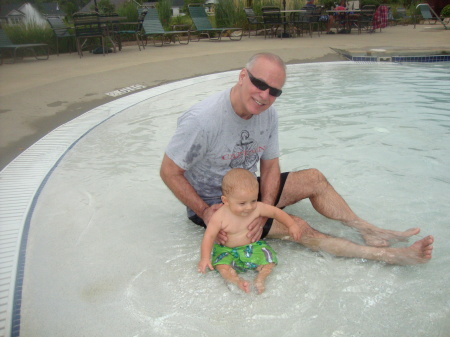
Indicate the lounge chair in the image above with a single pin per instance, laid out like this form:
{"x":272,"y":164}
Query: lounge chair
{"x":204,"y":27}
{"x":6,"y":46}
{"x":429,"y":14}
{"x":61,"y":31}
{"x":152,"y":27}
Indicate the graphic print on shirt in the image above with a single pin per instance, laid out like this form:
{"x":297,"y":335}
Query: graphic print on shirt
{"x":245,"y":152}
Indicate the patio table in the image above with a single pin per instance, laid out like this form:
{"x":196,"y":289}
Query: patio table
{"x":344,"y":16}
{"x":285,"y":14}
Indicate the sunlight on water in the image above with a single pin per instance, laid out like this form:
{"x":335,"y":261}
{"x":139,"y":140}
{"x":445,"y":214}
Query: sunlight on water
{"x":379,"y":132}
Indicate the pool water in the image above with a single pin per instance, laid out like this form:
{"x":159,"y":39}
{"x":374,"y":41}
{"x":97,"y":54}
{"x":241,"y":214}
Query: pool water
{"x":111,"y":253}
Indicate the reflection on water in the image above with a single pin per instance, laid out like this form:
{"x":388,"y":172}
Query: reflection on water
{"x":379,"y":132}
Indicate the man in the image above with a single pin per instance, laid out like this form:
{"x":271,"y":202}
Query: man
{"x":238,"y":127}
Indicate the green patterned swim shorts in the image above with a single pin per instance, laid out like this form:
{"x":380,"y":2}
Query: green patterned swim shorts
{"x":245,"y":257}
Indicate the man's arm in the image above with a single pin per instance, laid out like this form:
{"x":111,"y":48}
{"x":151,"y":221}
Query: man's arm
{"x":269,"y":185}
{"x":269,"y":180}
{"x":173,"y":177}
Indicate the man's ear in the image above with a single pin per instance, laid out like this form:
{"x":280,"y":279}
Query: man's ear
{"x":242,"y":75}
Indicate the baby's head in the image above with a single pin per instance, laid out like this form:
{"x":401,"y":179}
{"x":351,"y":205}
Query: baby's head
{"x":240,"y":191}
{"x":237,"y":180}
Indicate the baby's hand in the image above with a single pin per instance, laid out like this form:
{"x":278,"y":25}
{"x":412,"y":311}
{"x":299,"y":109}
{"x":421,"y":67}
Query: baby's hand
{"x":203,"y":264}
{"x":295,"y":232}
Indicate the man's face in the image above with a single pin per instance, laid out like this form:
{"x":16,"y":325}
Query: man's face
{"x":255,"y":100}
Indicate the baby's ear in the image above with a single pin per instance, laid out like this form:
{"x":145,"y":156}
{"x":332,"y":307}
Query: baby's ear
{"x":224,"y":199}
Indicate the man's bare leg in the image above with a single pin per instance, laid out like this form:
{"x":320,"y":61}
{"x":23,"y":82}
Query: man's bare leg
{"x":263,"y":272}
{"x":313,"y":185}
{"x":230,"y":275}
{"x":418,"y":252}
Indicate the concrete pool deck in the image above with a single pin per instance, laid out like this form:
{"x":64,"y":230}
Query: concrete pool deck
{"x":38,"y":96}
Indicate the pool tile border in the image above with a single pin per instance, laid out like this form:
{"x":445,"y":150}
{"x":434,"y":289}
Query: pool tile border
{"x":399,"y":59}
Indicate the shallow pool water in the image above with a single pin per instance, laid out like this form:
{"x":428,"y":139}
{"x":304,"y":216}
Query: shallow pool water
{"x":111,"y":253}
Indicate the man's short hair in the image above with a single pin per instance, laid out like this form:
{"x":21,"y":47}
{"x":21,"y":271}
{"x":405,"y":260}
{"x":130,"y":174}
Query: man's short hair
{"x":268,"y":56}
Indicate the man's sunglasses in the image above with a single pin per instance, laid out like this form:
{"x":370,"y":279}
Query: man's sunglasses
{"x":261,"y":85}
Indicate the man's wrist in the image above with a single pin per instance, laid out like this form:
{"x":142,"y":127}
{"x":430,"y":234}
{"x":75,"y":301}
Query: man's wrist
{"x":269,"y":202}
{"x":203,"y":211}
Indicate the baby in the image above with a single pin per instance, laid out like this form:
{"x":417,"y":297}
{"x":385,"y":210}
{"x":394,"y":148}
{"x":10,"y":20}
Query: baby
{"x":240,"y":207}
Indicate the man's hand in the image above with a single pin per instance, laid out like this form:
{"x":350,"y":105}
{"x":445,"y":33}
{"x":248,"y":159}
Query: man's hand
{"x":209,"y":211}
{"x":255,"y":229}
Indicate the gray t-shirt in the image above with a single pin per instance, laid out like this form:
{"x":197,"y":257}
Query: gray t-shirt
{"x":211,"y":138}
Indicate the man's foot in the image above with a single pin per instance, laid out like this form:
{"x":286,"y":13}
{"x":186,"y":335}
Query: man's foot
{"x":378,"y":237}
{"x":419,"y":252}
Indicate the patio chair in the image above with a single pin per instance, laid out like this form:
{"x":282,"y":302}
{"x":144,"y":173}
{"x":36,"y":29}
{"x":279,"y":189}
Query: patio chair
{"x":61,"y":31}
{"x":87,"y":25}
{"x":429,"y":14}
{"x":121,"y":29}
{"x":297,"y":23}
{"x":365,"y":20}
{"x":152,"y":27}
{"x":6,"y":46}
{"x":203,"y":25}
{"x":253,"y":20}
{"x":272,"y":20}
{"x":311,"y":20}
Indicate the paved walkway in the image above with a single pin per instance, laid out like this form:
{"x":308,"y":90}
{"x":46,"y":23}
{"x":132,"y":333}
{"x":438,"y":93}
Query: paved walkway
{"x":38,"y":96}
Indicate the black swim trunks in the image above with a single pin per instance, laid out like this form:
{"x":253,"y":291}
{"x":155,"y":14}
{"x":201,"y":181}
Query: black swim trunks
{"x":199,"y":221}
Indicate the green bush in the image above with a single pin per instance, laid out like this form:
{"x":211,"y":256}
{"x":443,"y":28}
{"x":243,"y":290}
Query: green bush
{"x":32,"y":33}
{"x":105,"y":7}
{"x":445,"y":13}
{"x":165,"y":12}
{"x":129,"y":10}
{"x":229,"y":13}
{"x":328,"y":4}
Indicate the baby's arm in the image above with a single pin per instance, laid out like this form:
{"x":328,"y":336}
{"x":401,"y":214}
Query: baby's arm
{"x":210,"y":235}
{"x":281,"y":216}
